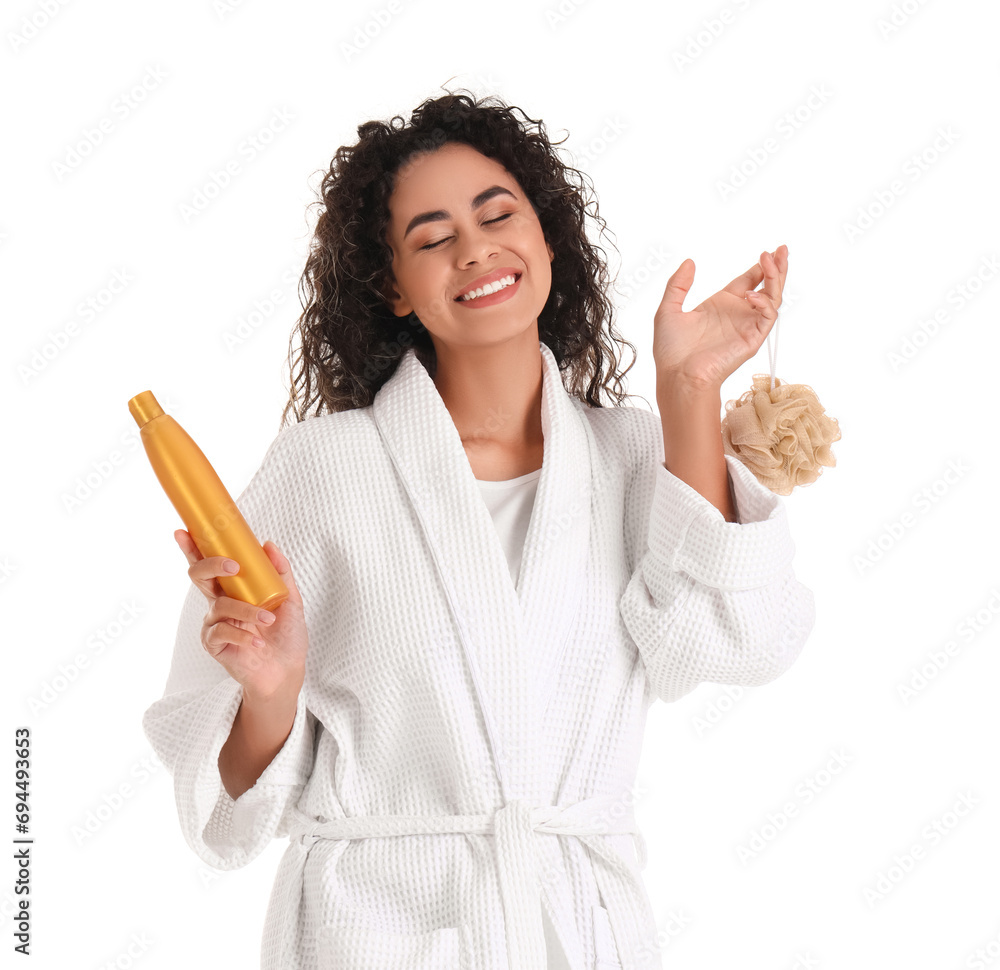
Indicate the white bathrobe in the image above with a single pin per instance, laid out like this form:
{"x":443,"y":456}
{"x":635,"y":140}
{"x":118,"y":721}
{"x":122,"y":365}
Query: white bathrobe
{"x":464,"y":752}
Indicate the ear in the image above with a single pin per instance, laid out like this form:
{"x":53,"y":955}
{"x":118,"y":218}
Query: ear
{"x":399,"y":306}
{"x":552,"y":255}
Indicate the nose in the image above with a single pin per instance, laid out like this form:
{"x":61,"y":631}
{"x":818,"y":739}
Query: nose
{"x":475,"y":245}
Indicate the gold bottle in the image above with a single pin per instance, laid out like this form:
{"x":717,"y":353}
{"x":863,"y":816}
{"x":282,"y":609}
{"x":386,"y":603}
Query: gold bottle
{"x":206,"y":507}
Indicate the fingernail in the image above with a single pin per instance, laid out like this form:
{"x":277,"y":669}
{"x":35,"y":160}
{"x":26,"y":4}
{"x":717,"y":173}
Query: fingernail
{"x":264,"y":617}
{"x":257,"y":642}
{"x":230,"y":567}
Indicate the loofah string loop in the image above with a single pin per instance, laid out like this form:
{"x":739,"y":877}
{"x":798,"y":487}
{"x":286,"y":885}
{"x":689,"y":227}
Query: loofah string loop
{"x":780,"y":431}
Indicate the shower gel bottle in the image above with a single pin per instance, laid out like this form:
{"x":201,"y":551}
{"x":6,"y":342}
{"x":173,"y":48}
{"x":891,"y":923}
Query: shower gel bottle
{"x":207,"y":509}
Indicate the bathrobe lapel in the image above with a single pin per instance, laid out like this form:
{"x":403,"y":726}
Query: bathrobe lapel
{"x":513,"y":638}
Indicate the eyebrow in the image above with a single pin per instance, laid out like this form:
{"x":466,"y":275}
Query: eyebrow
{"x":440,"y":214}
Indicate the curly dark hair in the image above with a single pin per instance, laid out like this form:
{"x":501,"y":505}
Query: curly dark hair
{"x":352,"y":342}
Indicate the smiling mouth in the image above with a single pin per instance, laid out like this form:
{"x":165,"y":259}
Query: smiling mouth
{"x":461,"y":299}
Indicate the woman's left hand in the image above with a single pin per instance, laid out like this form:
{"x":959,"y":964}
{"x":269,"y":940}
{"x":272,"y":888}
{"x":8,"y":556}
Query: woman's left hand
{"x":700,"y":348}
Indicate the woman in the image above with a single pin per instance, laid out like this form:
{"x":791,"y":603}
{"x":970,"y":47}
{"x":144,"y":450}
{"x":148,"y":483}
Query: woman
{"x":495,"y":574}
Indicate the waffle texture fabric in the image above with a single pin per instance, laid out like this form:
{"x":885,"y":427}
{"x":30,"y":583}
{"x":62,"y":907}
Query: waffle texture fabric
{"x":463,"y":751}
{"x":509,"y":504}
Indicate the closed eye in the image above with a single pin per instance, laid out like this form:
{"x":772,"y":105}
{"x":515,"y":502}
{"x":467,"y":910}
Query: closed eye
{"x":446,"y":238}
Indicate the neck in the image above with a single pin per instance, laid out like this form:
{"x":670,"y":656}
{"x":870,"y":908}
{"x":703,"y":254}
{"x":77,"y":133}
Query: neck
{"x":493,"y":392}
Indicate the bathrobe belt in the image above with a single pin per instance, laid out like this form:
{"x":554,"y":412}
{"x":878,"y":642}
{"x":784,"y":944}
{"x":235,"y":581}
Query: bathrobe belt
{"x":513,"y":827}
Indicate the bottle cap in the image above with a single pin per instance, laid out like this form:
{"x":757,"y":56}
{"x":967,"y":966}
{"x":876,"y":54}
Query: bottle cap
{"x":144,"y":407}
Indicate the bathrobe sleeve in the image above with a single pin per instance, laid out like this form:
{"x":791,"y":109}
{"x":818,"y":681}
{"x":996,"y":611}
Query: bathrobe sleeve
{"x":708,"y":600}
{"x":190,"y":723}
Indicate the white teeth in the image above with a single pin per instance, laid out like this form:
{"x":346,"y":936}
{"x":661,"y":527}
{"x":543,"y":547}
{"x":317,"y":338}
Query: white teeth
{"x":489,"y":288}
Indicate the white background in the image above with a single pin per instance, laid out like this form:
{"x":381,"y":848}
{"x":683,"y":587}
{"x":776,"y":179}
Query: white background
{"x":661,"y":107}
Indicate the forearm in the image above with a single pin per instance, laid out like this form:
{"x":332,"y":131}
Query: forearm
{"x":259,"y":731}
{"x":692,"y":441}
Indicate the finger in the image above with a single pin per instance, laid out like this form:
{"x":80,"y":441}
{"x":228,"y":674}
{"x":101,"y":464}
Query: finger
{"x":768,"y":314}
{"x":183,"y":539}
{"x":284,"y":570}
{"x":746,"y":281}
{"x":781,"y":261}
{"x":211,"y":567}
{"x":225,"y":608}
{"x":678,"y":286}
{"x":220,"y":635}
{"x":750,"y":280}
{"x":198,"y":573}
{"x":781,"y":258}
{"x":772,"y":278}
{"x":205,"y":572}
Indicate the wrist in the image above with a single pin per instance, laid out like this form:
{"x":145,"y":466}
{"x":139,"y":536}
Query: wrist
{"x":684,"y":397}
{"x":672,"y":384}
{"x":281,"y":696}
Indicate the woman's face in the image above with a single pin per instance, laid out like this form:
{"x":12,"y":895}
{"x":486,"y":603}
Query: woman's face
{"x":457,"y":216}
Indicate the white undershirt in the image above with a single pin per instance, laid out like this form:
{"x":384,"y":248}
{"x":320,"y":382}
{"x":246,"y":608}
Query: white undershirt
{"x":510,"y":505}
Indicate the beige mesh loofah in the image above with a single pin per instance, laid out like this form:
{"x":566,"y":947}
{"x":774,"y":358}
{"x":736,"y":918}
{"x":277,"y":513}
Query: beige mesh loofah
{"x":780,"y":431}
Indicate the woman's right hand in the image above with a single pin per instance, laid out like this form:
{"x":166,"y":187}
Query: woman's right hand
{"x":273,"y":665}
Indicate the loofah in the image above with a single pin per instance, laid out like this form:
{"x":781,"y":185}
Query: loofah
{"x":780,"y":431}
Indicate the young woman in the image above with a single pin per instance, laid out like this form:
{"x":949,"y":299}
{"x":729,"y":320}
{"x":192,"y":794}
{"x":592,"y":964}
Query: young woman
{"x":495,"y":574}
